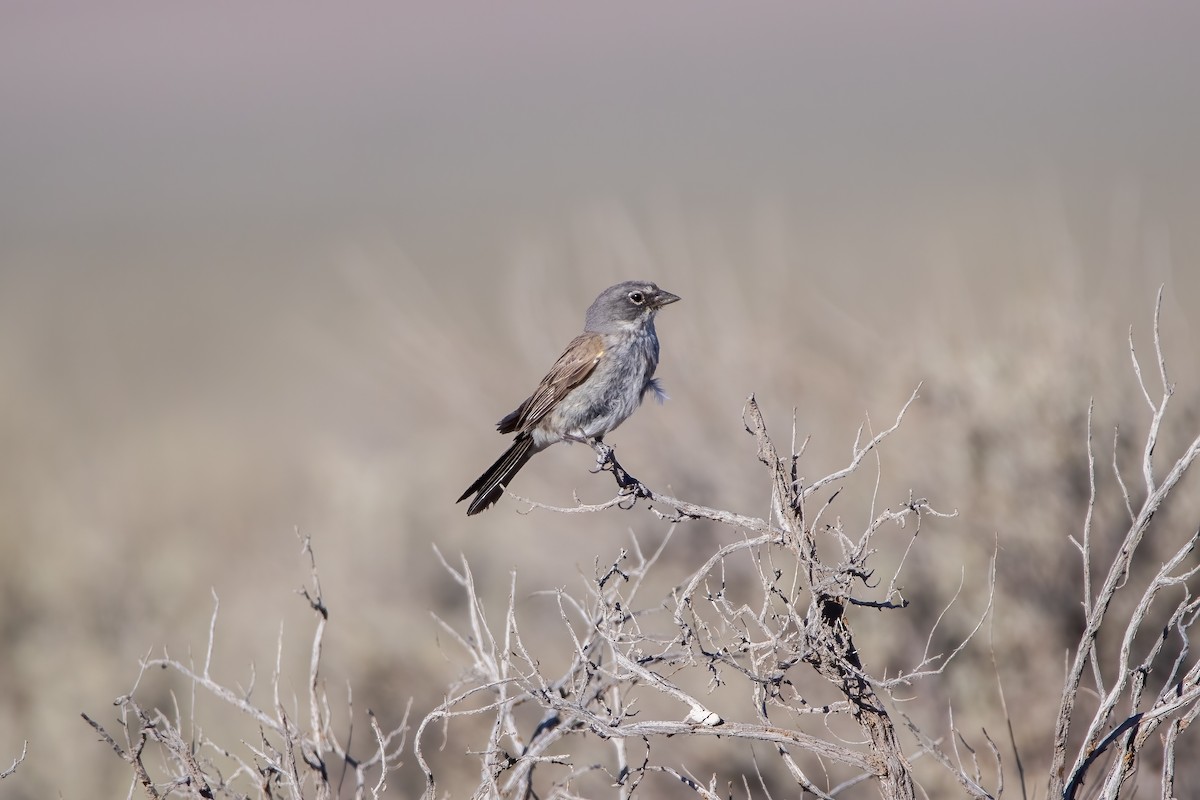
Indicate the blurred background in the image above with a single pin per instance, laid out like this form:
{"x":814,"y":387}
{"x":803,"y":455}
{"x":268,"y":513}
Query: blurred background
{"x":273,"y":267}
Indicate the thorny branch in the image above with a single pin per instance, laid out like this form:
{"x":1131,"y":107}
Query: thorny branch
{"x":290,"y":760}
{"x":16,"y":761}
{"x":623,"y":656}
{"x":1129,"y":711}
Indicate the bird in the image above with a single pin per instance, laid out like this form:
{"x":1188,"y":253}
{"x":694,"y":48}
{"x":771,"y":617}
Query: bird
{"x":594,"y":386}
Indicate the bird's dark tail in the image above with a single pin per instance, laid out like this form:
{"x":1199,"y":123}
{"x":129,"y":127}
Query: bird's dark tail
{"x":489,"y":486}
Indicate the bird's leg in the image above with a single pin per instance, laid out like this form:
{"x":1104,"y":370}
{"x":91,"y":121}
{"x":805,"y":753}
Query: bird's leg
{"x":606,"y":461}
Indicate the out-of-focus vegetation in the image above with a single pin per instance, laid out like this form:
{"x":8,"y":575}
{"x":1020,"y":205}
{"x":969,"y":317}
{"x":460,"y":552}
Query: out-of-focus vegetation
{"x":253,"y":283}
{"x":165,"y":430}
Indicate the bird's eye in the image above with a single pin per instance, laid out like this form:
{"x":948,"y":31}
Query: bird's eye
{"x":637,"y":298}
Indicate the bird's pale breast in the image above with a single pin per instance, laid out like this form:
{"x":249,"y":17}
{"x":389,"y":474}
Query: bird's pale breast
{"x":611,"y":393}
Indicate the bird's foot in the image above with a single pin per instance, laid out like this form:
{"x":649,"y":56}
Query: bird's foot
{"x":606,"y":461}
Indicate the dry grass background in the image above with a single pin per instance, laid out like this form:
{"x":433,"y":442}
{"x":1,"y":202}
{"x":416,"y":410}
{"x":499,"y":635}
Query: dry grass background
{"x":234,"y":303}
{"x":166,"y":428}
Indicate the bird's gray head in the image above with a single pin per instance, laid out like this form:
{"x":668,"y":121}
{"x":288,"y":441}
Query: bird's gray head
{"x":626,"y":305}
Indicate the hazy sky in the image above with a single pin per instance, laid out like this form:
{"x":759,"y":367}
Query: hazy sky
{"x":170,"y":119}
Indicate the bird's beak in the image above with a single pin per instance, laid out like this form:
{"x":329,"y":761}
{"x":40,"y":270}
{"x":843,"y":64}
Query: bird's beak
{"x":664,"y":298}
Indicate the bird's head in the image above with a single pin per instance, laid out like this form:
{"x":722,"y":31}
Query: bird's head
{"x":626,"y":304}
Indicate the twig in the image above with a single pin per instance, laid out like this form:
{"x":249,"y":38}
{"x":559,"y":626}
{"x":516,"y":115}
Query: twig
{"x":16,"y":762}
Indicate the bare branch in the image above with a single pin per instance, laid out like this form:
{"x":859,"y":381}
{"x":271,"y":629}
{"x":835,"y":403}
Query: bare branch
{"x":288,"y":756}
{"x":16,"y":762}
{"x":1127,"y":684}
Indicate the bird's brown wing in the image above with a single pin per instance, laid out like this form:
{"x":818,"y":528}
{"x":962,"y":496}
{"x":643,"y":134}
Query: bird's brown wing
{"x":571,"y":369}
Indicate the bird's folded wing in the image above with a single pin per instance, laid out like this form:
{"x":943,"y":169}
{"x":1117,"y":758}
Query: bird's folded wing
{"x":571,"y":369}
